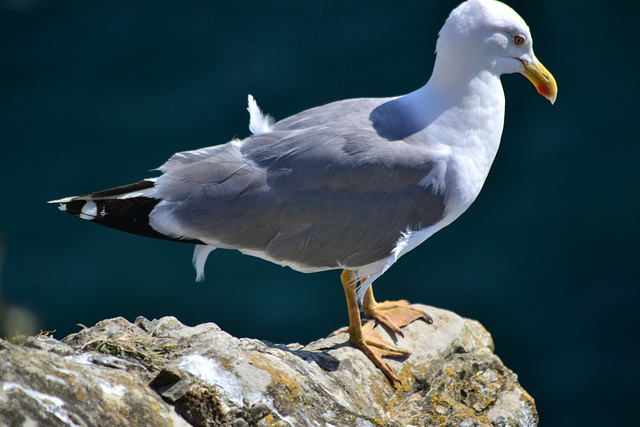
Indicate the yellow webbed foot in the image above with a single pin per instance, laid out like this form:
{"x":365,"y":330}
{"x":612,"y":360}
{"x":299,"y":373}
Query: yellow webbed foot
{"x":371,"y":344}
{"x":392,"y":314}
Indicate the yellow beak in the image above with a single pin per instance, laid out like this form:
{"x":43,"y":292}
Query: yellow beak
{"x":541,"y":79}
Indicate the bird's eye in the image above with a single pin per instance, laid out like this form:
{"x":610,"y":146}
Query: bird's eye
{"x":518,"y":40}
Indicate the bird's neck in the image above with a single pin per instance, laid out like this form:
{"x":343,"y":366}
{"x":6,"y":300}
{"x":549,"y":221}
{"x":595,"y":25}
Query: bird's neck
{"x":462,"y":117}
{"x":471,"y":101}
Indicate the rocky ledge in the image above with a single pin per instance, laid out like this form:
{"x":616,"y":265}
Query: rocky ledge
{"x":163,"y":373}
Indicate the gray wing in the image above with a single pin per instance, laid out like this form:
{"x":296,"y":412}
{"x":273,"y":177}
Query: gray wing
{"x":322,"y":190}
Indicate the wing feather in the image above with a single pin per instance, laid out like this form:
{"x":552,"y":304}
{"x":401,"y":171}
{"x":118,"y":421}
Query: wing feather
{"x":320,"y":190}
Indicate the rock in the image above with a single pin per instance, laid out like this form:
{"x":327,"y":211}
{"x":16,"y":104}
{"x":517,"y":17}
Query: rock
{"x":163,"y":373}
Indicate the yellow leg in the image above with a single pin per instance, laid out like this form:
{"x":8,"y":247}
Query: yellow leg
{"x":365,"y":338}
{"x":392,"y":314}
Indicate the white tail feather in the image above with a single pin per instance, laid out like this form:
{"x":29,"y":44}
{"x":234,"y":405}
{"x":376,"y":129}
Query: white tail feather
{"x":200,"y":254}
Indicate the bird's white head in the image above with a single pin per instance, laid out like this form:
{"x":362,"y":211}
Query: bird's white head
{"x":487,"y":35}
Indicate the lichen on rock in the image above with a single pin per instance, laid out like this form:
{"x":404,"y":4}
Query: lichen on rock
{"x":164,"y":373}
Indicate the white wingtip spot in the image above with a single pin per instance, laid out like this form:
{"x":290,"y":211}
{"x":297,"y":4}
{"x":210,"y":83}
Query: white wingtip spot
{"x":89,"y":210}
{"x":259,"y":123}
{"x":65,"y":200}
{"x":200,"y":254}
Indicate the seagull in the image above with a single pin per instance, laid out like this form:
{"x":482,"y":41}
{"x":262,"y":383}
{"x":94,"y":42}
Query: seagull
{"x":352,"y":185}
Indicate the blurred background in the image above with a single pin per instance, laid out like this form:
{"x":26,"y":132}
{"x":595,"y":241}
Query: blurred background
{"x":96,"y":94}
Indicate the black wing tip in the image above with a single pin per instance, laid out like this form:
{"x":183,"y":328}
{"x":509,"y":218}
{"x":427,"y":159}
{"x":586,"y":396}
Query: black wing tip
{"x":123,"y":189}
{"x":130,"y":214}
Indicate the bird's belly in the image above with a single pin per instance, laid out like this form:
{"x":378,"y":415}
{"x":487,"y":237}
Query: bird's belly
{"x":303,"y":268}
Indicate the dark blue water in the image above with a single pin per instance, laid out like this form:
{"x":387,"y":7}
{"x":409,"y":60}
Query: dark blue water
{"x":96,"y":94}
